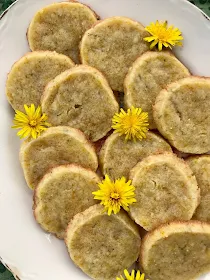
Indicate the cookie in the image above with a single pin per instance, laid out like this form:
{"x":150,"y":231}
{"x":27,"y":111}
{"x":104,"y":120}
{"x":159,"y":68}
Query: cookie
{"x":63,"y":192}
{"x":101,"y":245}
{"x":165,"y":189}
{"x":182,"y":115}
{"x":200,"y":166}
{"x":81,"y":98}
{"x":149,"y":74}
{"x":56,"y":146}
{"x":29,"y":76}
{"x":117,"y":156}
{"x":59,"y":27}
{"x":176,"y":251}
{"x":112,"y":46}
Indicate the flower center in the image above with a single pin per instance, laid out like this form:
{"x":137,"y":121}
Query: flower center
{"x":163,"y":35}
{"x":130,"y":121}
{"x":115,"y":196}
{"x":33,"y":123}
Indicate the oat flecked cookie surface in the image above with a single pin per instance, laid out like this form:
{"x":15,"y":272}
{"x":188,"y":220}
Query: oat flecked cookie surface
{"x":176,"y":251}
{"x":101,"y":245}
{"x":200,"y":166}
{"x":165,"y":189}
{"x":63,"y":192}
{"x":60,"y":27}
{"x":56,"y":146}
{"x":29,"y":76}
{"x":112,"y":46}
{"x":182,"y":114}
{"x":117,"y":156}
{"x":149,"y":74}
{"x":81,"y":98}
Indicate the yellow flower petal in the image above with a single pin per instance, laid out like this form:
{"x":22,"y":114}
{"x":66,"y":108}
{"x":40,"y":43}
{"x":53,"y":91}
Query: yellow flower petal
{"x":24,"y":132}
{"x":163,"y":35}
{"x":127,"y":275}
{"x":19,"y":116}
{"x":138,"y":275}
{"x":160,"y":46}
{"x":32,"y":123}
{"x":38,"y":114}
{"x":133,"y":273}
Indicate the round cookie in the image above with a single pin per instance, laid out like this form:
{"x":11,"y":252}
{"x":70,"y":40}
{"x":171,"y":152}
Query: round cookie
{"x":63,"y":192}
{"x":182,"y":114}
{"x":56,"y":146}
{"x":81,"y":98}
{"x":59,"y":27}
{"x":117,"y":156}
{"x":165,"y":190}
{"x":101,"y":245}
{"x":149,"y":74}
{"x":112,"y":46}
{"x":200,"y":166}
{"x":179,"y":250}
{"x":29,"y":76}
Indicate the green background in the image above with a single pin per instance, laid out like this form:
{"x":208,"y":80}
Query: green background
{"x":4,"y":4}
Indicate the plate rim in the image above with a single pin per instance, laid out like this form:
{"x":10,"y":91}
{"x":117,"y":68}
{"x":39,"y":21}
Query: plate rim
{"x":5,"y":12}
{"x":7,"y":266}
{"x":186,"y":1}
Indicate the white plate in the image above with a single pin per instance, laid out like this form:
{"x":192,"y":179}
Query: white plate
{"x":24,"y":247}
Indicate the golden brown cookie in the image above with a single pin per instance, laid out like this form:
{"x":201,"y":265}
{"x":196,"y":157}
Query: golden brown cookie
{"x":112,"y":46}
{"x":176,"y":251}
{"x":149,"y":74}
{"x":63,"y":192}
{"x":101,"y":245}
{"x":59,"y":27}
{"x":29,"y":76}
{"x":182,"y":114}
{"x":56,"y":146}
{"x":81,"y":98}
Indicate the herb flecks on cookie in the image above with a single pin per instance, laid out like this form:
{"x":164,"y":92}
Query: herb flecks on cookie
{"x":115,"y":194}
{"x":163,"y":35}
{"x":32,"y":123}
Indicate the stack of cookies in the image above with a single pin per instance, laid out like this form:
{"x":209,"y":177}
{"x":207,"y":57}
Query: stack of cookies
{"x":76,"y":66}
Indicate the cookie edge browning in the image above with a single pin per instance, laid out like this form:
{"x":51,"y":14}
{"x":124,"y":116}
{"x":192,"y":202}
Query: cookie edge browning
{"x":163,"y":97}
{"x":138,"y":62}
{"x":33,"y":54}
{"x":184,"y":169}
{"x":56,"y":130}
{"x":97,"y":17}
{"x":47,"y":177}
{"x":111,"y":138}
{"x":166,"y":230}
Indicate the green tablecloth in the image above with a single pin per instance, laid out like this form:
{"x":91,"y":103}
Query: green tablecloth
{"x":4,"y":4}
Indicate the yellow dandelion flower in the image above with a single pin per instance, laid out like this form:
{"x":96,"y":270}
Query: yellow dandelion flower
{"x":115,"y":194}
{"x":133,"y":123}
{"x":32,"y":123}
{"x":132,"y":276}
{"x":163,"y":35}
